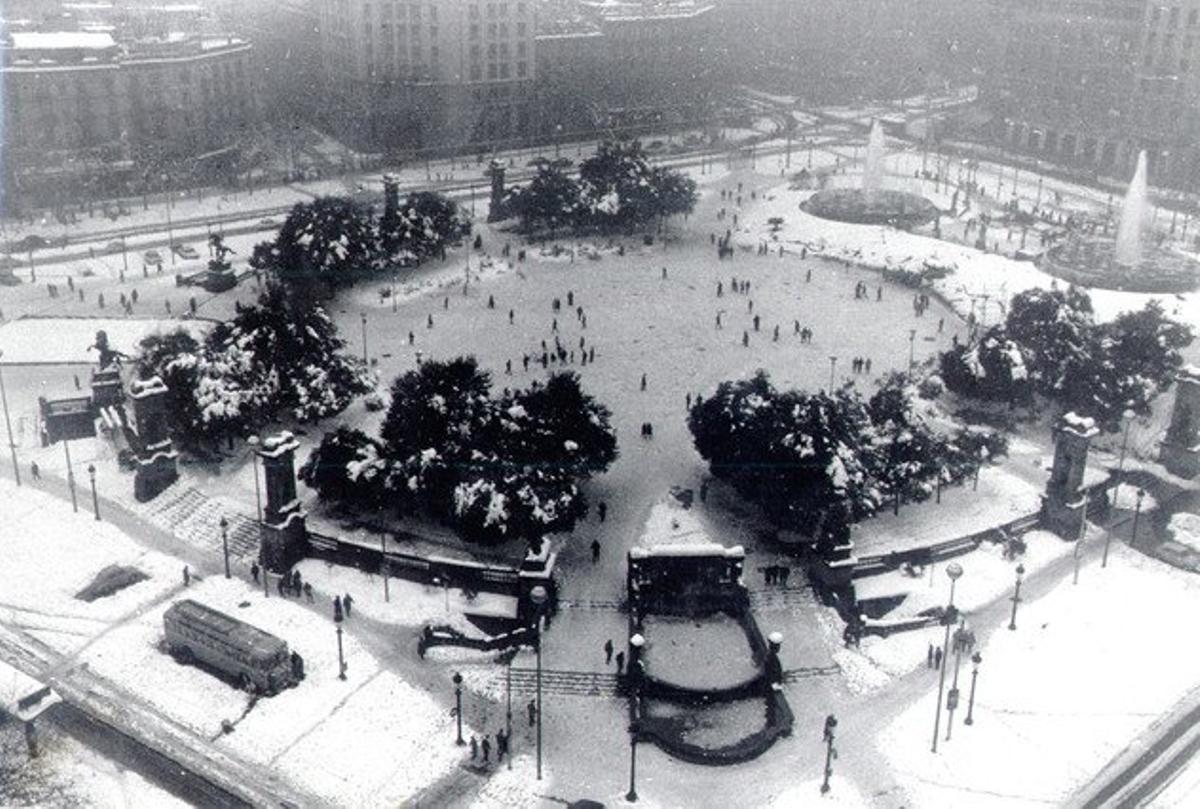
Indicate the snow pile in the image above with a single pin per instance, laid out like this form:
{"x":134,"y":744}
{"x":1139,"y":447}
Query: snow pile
{"x":1184,"y":528}
{"x":668,"y":524}
{"x":1125,"y":498}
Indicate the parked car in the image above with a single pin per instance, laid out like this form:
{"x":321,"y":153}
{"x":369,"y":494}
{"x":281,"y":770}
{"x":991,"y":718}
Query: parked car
{"x":186,"y":251}
{"x":268,"y":222}
{"x":152,"y":257}
{"x":115,"y":246}
{"x":30,"y":242}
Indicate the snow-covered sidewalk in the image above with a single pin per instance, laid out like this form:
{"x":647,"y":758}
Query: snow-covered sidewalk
{"x":1090,"y":666}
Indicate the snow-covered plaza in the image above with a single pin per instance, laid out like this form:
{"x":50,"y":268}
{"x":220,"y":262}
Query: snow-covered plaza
{"x":1090,"y":669}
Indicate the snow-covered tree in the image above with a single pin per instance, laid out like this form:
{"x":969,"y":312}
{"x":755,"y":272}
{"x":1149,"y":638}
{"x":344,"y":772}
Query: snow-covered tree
{"x":814,"y":462}
{"x":422,"y":226}
{"x":281,"y":356}
{"x":551,"y":199}
{"x":993,"y":368}
{"x":322,"y":245}
{"x":347,"y":469}
{"x":494,"y":468}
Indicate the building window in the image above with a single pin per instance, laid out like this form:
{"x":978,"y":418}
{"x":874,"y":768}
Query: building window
{"x":491,"y":70}
{"x":521,"y":29}
{"x":474,"y":30}
{"x":1193,"y":17}
{"x":1173,"y":18}
{"x":521,"y":70}
{"x":476,"y":73}
{"x":504,"y":70}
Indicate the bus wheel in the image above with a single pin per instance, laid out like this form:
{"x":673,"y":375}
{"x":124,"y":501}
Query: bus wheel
{"x":245,"y":684}
{"x":184,"y":655}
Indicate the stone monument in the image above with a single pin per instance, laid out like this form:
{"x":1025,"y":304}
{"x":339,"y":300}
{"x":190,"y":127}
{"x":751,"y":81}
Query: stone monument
{"x":1064,"y":501}
{"x":156,"y":457}
{"x":283,"y":531}
{"x":1180,"y":452}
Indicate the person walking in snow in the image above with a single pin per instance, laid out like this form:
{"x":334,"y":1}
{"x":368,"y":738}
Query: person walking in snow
{"x":620,"y":663}
{"x":595,"y":551}
{"x":347,"y":603}
{"x":608,"y":651}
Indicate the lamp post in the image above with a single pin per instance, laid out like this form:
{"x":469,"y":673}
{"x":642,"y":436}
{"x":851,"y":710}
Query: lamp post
{"x":954,"y":571}
{"x":224,"y":523}
{"x":539,"y":596}
{"x":1016,"y":597}
{"x":12,"y":445}
{"x":832,"y":368}
{"x":952,"y":697}
{"x":341,"y":658}
{"x":830,"y":727}
{"x":364,"y":332}
{"x":70,"y":475}
{"x":912,"y":336}
{"x":1127,"y":417}
{"x":457,"y":680}
{"x":1137,"y":512}
{"x":948,"y":620}
{"x":976,"y":659}
{"x":95,"y":499}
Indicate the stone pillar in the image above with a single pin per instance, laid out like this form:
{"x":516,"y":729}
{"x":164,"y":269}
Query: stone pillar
{"x":283,"y":533}
{"x":391,"y":195}
{"x":1064,"y":501}
{"x":1180,"y":452}
{"x":106,"y":388}
{"x":496,"y":207}
{"x":537,"y":568}
{"x":156,"y":462}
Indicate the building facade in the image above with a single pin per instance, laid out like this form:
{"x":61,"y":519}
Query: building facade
{"x":1090,"y":83}
{"x":86,"y":110}
{"x":440,"y":74}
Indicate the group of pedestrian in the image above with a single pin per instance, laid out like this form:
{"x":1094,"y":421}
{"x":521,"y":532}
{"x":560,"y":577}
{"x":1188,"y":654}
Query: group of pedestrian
{"x":861,"y":365}
{"x":776,"y":574}
{"x":647,"y":430}
{"x":485,"y":747}
{"x":920,"y":304}
{"x":609,"y":657}
{"x":862,"y":291}
{"x":933,"y":658}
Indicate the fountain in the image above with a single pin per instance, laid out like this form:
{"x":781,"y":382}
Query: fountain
{"x":1129,"y":262}
{"x":871,"y":203}
{"x":872,"y":179}
{"x":1128,"y":249}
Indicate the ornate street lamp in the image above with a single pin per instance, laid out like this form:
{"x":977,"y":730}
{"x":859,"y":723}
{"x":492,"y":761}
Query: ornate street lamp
{"x":976,"y":659}
{"x":91,"y":470}
{"x":1016,"y":597}
{"x":539,"y":597}
{"x":224,"y":523}
{"x":457,"y":680}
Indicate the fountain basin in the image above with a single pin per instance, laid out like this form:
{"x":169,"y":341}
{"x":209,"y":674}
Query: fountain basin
{"x":876,"y":207}
{"x":1091,"y":262}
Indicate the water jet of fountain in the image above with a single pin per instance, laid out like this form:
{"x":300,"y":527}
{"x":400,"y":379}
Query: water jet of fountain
{"x":873,"y":165}
{"x":1133,"y":211}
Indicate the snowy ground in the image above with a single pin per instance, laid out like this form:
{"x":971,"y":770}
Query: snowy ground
{"x":1000,"y":498}
{"x":708,"y":653}
{"x":1082,"y":676}
{"x":300,"y":731}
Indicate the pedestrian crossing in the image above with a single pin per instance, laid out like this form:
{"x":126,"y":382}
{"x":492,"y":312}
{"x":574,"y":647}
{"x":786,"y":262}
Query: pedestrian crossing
{"x":606,"y":684}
